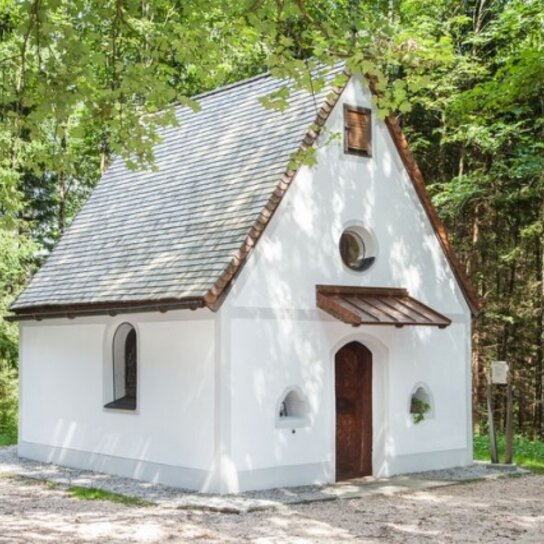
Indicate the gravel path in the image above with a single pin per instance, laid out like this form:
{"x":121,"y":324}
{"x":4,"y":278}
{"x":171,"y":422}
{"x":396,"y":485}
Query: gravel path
{"x":495,"y":511}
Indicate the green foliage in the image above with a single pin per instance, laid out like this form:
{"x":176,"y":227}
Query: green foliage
{"x":16,"y":253}
{"x":84,"y":80}
{"x":418,"y":409}
{"x":8,"y":404}
{"x":478,"y":130}
{"x":94,"y":494}
{"x":527,"y":453}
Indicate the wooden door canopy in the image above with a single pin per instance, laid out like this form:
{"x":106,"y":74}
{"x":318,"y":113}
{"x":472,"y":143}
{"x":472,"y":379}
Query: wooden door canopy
{"x":376,"y":306}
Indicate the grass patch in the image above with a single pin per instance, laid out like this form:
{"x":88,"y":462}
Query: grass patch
{"x":83,"y":493}
{"x":527,"y":453}
{"x":94,"y":494}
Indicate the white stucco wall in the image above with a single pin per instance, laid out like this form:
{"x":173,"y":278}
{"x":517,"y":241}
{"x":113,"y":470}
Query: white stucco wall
{"x":276,"y":337}
{"x":209,"y":385}
{"x":64,"y":369}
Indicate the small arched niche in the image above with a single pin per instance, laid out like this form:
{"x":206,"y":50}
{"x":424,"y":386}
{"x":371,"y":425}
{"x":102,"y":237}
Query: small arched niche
{"x":421,"y":403}
{"x":292,"y":409}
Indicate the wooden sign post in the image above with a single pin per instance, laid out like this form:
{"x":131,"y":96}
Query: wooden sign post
{"x":491,"y":422}
{"x":500,"y":375}
{"x":509,"y":431}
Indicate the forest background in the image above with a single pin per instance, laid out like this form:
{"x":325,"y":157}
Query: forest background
{"x":80,"y":78}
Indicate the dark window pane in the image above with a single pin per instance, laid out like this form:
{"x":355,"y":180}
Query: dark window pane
{"x":130,"y":364}
{"x":124,"y":368}
{"x":352,"y":249}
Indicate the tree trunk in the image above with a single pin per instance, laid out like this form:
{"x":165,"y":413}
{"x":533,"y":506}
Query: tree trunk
{"x":478,"y":388}
{"x":476,"y":379}
{"x":509,"y":425}
{"x":61,"y":217}
{"x":539,"y":367}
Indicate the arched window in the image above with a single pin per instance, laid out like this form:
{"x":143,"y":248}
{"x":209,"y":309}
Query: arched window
{"x":292,"y":410}
{"x":124,"y":368}
{"x":421,"y":403}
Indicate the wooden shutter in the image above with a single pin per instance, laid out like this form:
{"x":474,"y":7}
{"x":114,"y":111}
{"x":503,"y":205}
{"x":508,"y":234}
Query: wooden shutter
{"x":357,"y":136}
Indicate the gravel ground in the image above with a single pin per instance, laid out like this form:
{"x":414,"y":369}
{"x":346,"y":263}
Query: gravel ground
{"x":11,"y":464}
{"x":499,"y":510}
{"x":246,"y":502}
{"x":494,"y":511}
{"x":479,"y":470}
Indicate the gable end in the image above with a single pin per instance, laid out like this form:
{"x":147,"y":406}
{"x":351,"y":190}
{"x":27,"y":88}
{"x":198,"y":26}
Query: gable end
{"x":219,"y":290}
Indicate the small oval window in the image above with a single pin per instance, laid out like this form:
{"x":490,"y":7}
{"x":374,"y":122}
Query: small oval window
{"x":354,"y":250}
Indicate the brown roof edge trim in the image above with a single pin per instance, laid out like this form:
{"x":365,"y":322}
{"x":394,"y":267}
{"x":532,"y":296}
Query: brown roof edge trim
{"x":215,"y":296}
{"x":356,"y":290}
{"x":401,"y":143}
{"x":105,"y":308}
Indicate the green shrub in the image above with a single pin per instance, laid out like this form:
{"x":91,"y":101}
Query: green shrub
{"x":8,"y":404}
{"x":418,"y":409}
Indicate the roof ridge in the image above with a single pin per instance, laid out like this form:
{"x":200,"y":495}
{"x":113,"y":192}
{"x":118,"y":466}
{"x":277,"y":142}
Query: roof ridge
{"x":229,"y":86}
{"x":263,"y":75}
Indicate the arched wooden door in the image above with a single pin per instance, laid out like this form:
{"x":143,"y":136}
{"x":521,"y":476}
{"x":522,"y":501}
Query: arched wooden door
{"x":353,"y":377}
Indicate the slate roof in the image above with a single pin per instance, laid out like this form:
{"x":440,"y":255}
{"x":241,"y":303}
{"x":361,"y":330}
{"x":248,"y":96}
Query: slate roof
{"x":168,"y":235}
{"x":177,"y":236}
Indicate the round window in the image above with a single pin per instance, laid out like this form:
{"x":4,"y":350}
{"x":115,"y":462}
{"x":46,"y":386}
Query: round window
{"x":355,"y":250}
